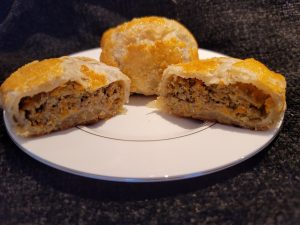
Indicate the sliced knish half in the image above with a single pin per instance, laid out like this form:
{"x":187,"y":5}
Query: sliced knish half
{"x":55,"y":94}
{"x":237,"y":92}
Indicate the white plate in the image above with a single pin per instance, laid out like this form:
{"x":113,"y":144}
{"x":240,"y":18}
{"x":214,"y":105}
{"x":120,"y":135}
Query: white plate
{"x":144,"y":145}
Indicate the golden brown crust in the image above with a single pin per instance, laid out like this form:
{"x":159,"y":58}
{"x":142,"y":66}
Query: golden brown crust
{"x":47,"y":75}
{"x":263,"y":91}
{"x":107,"y":54}
{"x":144,"y":47}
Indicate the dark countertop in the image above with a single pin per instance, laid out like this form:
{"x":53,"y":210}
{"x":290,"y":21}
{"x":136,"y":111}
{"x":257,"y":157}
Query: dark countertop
{"x":262,"y":190}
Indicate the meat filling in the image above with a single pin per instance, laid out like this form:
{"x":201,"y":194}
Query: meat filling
{"x":240,"y":100}
{"x":71,"y":105}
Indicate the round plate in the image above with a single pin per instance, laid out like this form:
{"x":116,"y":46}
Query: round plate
{"x":145,"y":145}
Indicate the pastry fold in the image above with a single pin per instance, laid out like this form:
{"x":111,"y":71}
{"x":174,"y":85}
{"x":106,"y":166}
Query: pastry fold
{"x":143,"y":47}
{"x":237,"y":92}
{"x":58,"y":93}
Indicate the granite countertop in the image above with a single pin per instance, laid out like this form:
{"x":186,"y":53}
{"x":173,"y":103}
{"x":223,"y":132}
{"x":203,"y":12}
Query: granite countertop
{"x":262,"y":190}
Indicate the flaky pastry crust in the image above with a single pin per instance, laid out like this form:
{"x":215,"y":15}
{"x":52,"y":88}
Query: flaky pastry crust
{"x":44,"y":76}
{"x":144,"y":47}
{"x":233,"y":91}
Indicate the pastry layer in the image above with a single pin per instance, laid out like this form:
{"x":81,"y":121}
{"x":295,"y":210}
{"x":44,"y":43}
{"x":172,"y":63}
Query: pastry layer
{"x":224,"y":90}
{"x":35,"y":100}
{"x":144,"y":47}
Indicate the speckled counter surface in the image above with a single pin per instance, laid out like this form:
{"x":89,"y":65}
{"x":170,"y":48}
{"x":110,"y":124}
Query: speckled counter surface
{"x":263,"y":190}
